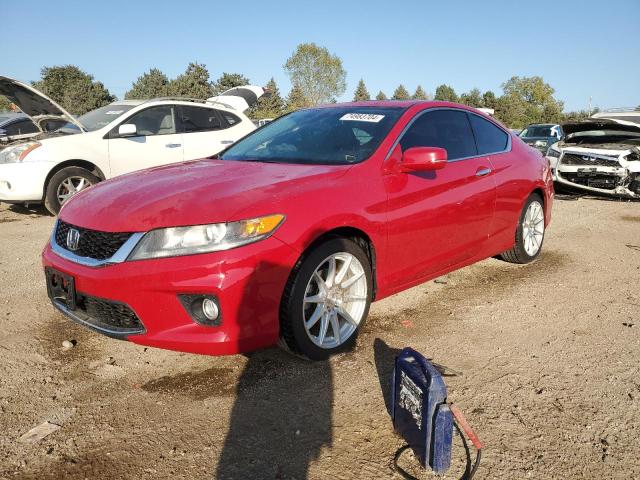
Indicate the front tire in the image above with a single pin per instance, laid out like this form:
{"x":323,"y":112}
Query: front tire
{"x":529,"y":233}
{"x":65,"y":184}
{"x":326,"y":299}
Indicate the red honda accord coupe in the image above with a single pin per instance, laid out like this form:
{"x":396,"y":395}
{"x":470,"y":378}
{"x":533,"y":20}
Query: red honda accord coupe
{"x":292,"y":232}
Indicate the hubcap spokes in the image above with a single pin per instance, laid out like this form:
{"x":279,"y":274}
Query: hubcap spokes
{"x":70,"y":186}
{"x":335,"y":300}
{"x":533,"y":228}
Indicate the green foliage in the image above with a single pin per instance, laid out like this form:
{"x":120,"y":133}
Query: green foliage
{"x":401,"y":93}
{"x":361,"y":94}
{"x":229,"y":80}
{"x":268,"y":106}
{"x":420,"y":94}
{"x":381,"y":96}
{"x":528,"y":100}
{"x":152,"y":84}
{"x":489,"y":99}
{"x":473,"y":98}
{"x":73,"y":89}
{"x":296,"y":100}
{"x":576,"y":116}
{"x":445,"y":93}
{"x":194,"y":83}
{"x":318,"y":74}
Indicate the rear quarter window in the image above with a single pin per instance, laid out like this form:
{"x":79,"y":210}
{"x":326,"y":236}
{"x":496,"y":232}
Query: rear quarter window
{"x":489,"y":137}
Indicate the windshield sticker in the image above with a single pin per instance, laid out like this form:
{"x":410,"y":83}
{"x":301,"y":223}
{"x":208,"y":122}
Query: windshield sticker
{"x":114,"y":112}
{"x":362,"y":117}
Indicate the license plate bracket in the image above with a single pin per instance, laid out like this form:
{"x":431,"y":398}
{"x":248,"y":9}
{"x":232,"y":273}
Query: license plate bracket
{"x":61,"y":288}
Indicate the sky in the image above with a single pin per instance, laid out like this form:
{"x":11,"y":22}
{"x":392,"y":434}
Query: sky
{"x":582,"y":49}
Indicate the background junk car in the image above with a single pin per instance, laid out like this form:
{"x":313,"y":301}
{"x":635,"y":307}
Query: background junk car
{"x":541,"y":135}
{"x":600,"y":155}
{"x":118,"y":138}
{"x":225,"y":248}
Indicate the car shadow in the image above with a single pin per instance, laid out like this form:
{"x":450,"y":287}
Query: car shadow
{"x":282,"y":414}
{"x":32,"y":209}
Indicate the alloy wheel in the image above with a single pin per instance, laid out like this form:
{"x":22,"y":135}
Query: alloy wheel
{"x":533,"y":228}
{"x":70,"y":186}
{"x":335,"y":300}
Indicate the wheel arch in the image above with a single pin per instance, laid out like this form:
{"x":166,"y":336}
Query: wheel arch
{"x":91,"y":167}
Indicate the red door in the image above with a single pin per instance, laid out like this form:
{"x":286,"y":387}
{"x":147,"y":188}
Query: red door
{"x":441,"y":218}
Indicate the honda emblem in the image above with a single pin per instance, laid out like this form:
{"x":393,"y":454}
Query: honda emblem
{"x":73,"y":239}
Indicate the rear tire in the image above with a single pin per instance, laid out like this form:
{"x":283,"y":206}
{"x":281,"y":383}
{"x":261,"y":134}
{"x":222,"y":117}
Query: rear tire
{"x":326,"y":300}
{"x":66,"y":183}
{"x":529,"y":233}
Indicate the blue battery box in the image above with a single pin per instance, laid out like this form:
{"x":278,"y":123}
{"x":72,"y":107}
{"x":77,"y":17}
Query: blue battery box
{"x":420,"y":412}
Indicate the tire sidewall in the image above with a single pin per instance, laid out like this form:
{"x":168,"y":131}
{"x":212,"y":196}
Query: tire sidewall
{"x":293,"y":309}
{"x":51,"y":193}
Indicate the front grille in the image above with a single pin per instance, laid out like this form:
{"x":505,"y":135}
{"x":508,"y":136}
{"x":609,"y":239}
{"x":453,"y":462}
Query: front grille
{"x":588,"y":161}
{"x":92,"y":243}
{"x":593,"y":179}
{"x":108,"y":314}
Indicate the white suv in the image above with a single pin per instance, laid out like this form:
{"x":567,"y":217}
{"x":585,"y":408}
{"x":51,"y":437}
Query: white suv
{"x":119,"y":138}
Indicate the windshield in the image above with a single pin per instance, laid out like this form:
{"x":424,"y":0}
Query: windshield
{"x":333,"y":136}
{"x":98,"y":118}
{"x":537,"y":131}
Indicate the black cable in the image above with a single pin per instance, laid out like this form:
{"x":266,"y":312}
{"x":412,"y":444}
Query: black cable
{"x":469,"y":470}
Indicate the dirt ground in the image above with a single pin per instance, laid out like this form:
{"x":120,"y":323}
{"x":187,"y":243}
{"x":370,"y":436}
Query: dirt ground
{"x":543,"y":359}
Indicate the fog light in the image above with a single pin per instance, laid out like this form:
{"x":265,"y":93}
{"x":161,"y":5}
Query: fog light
{"x":210,"y":309}
{"x":203,"y":309}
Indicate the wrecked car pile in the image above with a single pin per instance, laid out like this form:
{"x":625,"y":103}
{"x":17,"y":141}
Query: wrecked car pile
{"x":600,"y":155}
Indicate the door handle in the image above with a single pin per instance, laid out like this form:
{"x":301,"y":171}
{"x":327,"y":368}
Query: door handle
{"x":173,"y":145}
{"x":226,"y":142}
{"x":482,"y":172}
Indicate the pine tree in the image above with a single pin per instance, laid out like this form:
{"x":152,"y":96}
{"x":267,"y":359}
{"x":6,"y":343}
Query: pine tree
{"x":446,"y":93}
{"x":228,"y":81}
{"x":361,"y":94}
{"x":270,"y":105}
{"x":194,"y":82}
{"x":151,"y":84}
{"x":296,"y":100}
{"x":401,"y":93}
{"x":381,"y":96}
{"x":419,"y":94}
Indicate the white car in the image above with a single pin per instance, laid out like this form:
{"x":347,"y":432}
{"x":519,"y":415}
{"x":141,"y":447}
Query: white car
{"x":600,"y":155}
{"x":119,"y":138}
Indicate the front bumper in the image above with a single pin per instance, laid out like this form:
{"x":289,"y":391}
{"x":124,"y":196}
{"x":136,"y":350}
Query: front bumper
{"x":247,"y":281}
{"x":23,"y":181}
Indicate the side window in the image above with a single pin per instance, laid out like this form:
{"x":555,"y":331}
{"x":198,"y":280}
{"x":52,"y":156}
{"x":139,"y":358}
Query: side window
{"x":490,"y":139}
{"x":448,"y":129}
{"x":154,"y":121}
{"x":22,"y":127}
{"x":230,"y":118}
{"x":200,"y":119}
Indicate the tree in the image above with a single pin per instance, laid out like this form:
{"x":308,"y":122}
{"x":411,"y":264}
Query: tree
{"x":150,"y":85}
{"x":381,"y":96}
{"x":75,"y":90}
{"x":489,"y":99}
{"x":194,"y":82}
{"x":296,"y":100}
{"x":420,"y":94}
{"x":528,"y":100}
{"x":317,"y":73}
{"x":270,"y":105}
{"x":5,"y":104}
{"x":401,"y":93}
{"x":473,"y":98}
{"x":229,"y":80}
{"x":361,"y":94}
{"x":445,"y":93}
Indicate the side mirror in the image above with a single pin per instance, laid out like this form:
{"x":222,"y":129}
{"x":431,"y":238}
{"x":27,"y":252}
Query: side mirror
{"x":420,"y":159}
{"x":127,"y":130}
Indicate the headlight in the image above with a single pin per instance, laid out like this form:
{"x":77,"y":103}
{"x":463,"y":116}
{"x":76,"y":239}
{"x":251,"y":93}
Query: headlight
{"x":175,"y":241}
{"x":541,"y":143}
{"x":552,"y":152}
{"x":18,"y":153}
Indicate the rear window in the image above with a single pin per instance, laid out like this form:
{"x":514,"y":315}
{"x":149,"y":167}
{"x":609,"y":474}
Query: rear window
{"x":230,"y":118}
{"x":489,"y":138}
{"x":200,"y":119}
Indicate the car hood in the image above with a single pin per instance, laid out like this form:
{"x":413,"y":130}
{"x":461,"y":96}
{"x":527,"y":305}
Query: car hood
{"x":193,"y":193}
{"x":600,"y":124}
{"x":34,"y":103}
